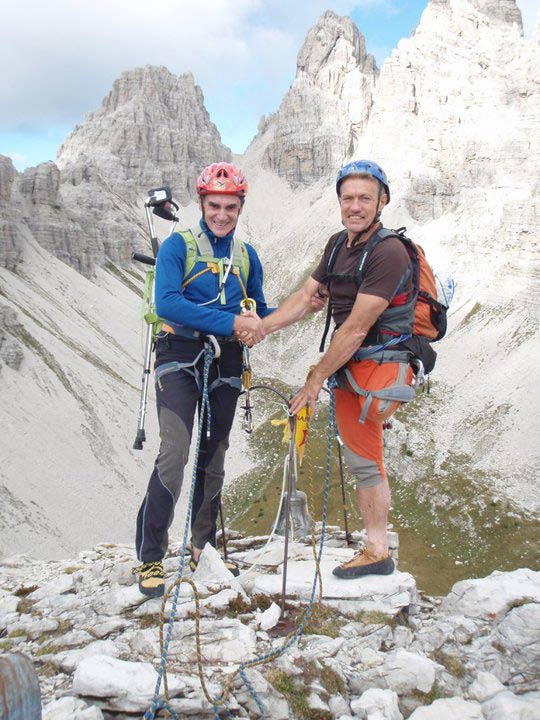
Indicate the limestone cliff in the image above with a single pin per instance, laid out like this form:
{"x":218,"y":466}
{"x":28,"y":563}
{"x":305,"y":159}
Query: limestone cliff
{"x":326,"y":109}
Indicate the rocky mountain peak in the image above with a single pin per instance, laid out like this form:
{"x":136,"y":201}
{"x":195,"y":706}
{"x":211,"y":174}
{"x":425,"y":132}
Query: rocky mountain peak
{"x":149,"y":83}
{"x":152,"y":129}
{"x":332,"y":41}
{"x":327,"y":105}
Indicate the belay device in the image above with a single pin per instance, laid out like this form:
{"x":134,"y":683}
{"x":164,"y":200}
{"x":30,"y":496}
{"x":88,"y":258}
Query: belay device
{"x":159,"y":202}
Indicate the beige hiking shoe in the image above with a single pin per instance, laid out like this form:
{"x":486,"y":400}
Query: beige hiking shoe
{"x":365,"y":563}
{"x":151,"y":578}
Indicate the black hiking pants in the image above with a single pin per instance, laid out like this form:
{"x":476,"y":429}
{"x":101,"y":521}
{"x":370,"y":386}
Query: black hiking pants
{"x":177,"y":398}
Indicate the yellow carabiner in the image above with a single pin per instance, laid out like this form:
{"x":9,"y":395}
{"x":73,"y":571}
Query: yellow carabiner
{"x":248,"y":305}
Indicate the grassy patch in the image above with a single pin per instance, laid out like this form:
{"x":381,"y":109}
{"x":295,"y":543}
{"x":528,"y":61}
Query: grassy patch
{"x":5,"y":645}
{"x":17,"y":634}
{"x":296,"y":693}
{"x":46,"y":669}
{"x":25,"y":606}
{"x":374,"y":617}
{"x":436,"y":693}
{"x":148,"y":621}
{"x":70,"y":570}
{"x":472,"y":312}
{"x":452,"y":663}
{"x":48,"y":649}
{"x":324,"y":620}
{"x":237,"y":606}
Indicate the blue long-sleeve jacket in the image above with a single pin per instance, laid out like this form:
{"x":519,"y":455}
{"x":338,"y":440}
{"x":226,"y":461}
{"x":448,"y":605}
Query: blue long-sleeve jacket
{"x":180,"y":306}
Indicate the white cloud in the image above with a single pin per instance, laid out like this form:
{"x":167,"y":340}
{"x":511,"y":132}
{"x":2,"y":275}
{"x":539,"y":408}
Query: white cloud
{"x":66,"y":53}
{"x":63,"y":55}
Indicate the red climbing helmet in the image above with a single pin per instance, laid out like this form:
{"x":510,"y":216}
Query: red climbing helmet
{"x":222,"y":178}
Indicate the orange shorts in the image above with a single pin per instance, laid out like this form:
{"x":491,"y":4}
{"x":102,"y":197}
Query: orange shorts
{"x":366,"y":439}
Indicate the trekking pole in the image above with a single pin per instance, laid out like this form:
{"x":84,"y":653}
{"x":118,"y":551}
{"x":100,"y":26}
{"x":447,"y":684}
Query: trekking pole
{"x":159,"y":202}
{"x":223,"y":536}
{"x":343,"y":496}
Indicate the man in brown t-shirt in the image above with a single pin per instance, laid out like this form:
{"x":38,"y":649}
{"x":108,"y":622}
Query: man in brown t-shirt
{"x":386,"y":283}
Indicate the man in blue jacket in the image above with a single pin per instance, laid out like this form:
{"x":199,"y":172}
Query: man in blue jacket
{"x":202,"y":276}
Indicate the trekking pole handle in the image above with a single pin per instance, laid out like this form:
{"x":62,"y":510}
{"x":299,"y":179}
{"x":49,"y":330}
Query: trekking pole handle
{"x":146,"y":259}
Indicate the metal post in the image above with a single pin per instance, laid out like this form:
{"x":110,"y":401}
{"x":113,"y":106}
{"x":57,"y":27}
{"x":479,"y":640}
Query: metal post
{"x":284,"y":626}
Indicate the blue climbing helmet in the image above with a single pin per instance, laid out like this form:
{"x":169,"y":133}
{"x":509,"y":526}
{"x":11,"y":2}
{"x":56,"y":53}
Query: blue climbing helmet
{"x":359,"y":167}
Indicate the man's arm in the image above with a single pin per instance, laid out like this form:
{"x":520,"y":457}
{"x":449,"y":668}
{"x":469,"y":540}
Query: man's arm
{"x":344,"y":344}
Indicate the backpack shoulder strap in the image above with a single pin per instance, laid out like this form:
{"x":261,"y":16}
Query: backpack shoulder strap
{"x":339,"y":241}
{"x":374,"y":240}
{"x":241,"y":258}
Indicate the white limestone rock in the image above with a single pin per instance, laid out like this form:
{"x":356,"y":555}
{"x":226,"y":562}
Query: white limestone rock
{"x":71,"y":708}
{"x":338,"y":705}
{"x":449,"y":709}
{"x":490,"y":597}
{"x":118,"y":600}
{"x":377,"y":704}
{"x":514,"y":707}
{"x":386,"y":593}
{"x":484,"y":687}
{"x":398,"y":670}
{"x":269,"y":618}
{"x":121,"y":685}
{"x":8,"y":604}
{"x":61,"y":585}
{"x":69,"y":660}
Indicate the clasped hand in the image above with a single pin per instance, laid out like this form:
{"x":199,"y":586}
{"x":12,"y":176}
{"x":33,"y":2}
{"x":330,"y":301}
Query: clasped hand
{"x":248,"y":328}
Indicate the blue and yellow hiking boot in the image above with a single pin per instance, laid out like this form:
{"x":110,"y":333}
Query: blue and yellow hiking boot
{"x":151,"y":578}
{"x":366,"y":562}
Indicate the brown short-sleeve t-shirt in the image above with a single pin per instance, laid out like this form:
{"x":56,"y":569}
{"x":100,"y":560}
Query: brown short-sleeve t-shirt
{"x":386,"y":267}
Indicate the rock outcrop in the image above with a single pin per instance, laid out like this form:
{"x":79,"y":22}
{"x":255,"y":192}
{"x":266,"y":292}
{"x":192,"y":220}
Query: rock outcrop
{"x":94,"y":640}
{"x":151,"y":130}
{"x":326,"y":109}
{"x":10,"y":241}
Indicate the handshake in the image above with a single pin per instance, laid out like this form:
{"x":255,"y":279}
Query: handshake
{"x":248,"y":328}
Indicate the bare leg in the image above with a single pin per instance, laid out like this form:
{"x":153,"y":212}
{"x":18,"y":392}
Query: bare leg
{"x":374,"y":504}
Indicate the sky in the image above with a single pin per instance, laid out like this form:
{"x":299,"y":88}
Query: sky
{"x":62,"y":57}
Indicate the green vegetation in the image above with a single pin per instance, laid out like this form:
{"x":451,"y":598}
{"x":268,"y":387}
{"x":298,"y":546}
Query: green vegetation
{"x":48,"y":649}
{"x":374,"y":617}
{"x":436,"y":693}
{"x":453,"y":664}
{"x":295,"y":692}
{"x":148,"y":621}
{"x":472,"y":312}
{"x":324,"y":620}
